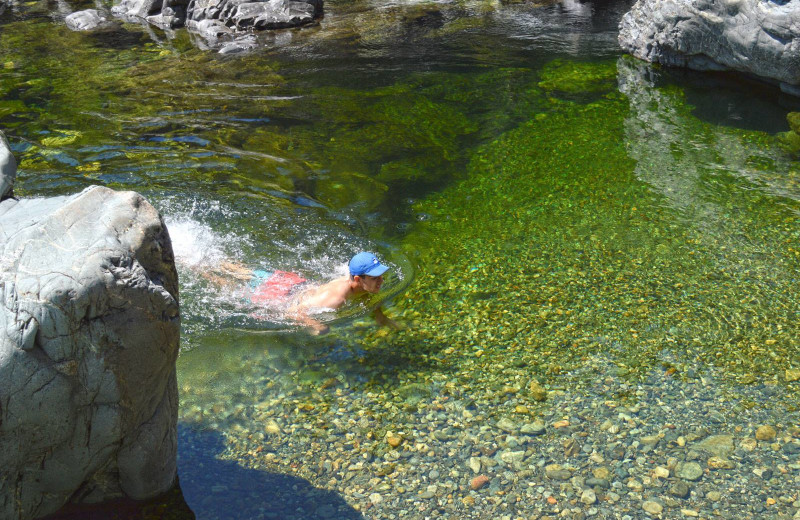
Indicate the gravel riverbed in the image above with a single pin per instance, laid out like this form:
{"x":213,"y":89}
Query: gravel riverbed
{"x":605,"y":446}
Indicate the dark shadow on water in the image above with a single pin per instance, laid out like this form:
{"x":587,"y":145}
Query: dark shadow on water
{"x":223,"y":489}
{"x":214,"y":489}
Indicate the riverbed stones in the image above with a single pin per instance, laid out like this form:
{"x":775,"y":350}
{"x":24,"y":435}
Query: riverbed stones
{"x":89,"y":328}
{"x":793,"y":374}
{"x":760,"y":38}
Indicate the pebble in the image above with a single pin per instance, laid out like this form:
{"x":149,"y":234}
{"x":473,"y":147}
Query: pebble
{"x":679,"y":489}
{"x":720,"y":463}
{"x":478,"y":482}
{"x":652,"y":507}
{"x":588,"y":497}
{"x":557,"y":472}
{"x":507,"y":425}
{"x":537,"y":391}
{"x":792,"y":374}
{"x":690,"y":471}
{"x":272,"y":427}
{"x":394,"y":440}
{"x":534,"y":428}
{"x":474,"y":464}
{"x":719,"y":445}
{"x":661,"y":472}
{"x":766,"y":433}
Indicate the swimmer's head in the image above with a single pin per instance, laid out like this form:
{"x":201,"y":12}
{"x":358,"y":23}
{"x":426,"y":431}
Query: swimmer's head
{"x":366,"y":264}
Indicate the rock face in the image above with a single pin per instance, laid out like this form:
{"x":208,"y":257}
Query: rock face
{"x":89,"y":330}
{"x":758,"y":37}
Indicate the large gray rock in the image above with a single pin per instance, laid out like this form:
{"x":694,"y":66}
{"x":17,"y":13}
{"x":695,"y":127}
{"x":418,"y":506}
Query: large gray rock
{"x":87,"y":20}
{"x":758,"y":37}
{"x":8,"y":169}
{"x":243,"y":14}
{"x":89,"y":330}
{"x":214,"y":19}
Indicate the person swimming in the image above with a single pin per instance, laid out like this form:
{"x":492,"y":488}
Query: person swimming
{"x":366,"y":277}
{"x":301,"y":297}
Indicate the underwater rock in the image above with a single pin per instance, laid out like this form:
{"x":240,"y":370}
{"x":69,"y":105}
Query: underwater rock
{"x":757,"y":37}
{"x":87,"y":20}
{"x":8,"y":169}
{"x":89,"y":330}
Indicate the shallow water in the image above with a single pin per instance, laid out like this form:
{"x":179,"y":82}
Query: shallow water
{"x":552,"y":211}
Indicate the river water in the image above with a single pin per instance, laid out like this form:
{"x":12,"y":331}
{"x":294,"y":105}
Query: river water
{"x":556,"y":215}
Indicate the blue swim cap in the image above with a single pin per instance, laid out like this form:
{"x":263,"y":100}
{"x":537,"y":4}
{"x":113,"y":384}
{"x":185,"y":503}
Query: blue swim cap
{"x":366,"y":264}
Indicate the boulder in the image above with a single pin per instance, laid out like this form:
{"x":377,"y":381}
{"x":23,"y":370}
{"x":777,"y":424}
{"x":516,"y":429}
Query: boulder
{"x":214,"y":19}
{"x":87,"y":20}
{"x":757,"y":37}
{"x":89,"y":330}
{"x":8,"y":169}
{"x":243,"y":14}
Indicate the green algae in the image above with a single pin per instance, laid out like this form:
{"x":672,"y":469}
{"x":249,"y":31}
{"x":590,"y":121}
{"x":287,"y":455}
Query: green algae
{"x":572,"y":254}
{"x":578,"y":77}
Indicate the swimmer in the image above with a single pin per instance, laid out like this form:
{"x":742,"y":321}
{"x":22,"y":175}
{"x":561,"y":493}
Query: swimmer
{"x":366,"y":277}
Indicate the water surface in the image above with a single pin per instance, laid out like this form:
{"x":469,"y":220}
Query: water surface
{"x":552,"y":211}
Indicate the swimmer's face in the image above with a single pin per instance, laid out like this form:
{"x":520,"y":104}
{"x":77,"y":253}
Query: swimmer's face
{"x":371,"y":284}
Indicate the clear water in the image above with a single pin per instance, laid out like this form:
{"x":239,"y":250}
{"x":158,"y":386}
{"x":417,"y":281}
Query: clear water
{"x":543,"y":201}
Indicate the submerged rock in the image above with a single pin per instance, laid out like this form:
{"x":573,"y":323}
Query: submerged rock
{"x":89,"y":330}
{"x":757,"y":37}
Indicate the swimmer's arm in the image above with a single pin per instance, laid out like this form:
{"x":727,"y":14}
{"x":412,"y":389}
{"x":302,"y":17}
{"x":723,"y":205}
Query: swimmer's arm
{"x":315,"y":327}
{"x":384,"y":320}
{"x":236,"y":270}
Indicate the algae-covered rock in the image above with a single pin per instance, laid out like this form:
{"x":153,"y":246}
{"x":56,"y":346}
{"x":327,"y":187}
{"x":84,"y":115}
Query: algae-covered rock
{"x":578,"y":77}
{"x":794,"y":121}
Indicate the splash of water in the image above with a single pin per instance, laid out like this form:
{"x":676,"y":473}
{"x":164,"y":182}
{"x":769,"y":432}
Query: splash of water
{"x":223,"y":259}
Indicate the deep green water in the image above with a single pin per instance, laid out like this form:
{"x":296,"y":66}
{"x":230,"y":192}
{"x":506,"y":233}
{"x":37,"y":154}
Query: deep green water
{"x":545,"y":203}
